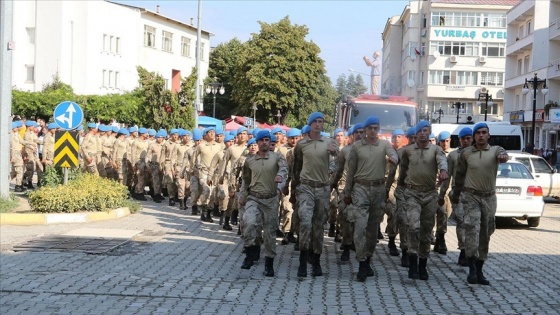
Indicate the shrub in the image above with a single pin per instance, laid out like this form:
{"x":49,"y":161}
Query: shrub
{"x":85,"y":193}
{"x":8,"y":204}
{"x":54,"y":176}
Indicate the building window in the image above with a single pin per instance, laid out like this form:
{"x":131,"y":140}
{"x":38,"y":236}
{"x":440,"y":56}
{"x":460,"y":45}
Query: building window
{"x":492,"y":78}
{"x":521,"y":32}
{"x":201,"y":51}
{"x":526,"y":63}
{"x":110,"y":79}
{"x":117,"y":80}
{"x":105,"y":79}
{"x":149,"y":36}
{"x":528,"y":27}
{"x":519,"y":66}
{"x":466,"y":78}
{"x":167,"y":41}
{"x":30,"y":77}
{"x":455,"y":48}
{"x":185,"y":46}
{"x":106,"y":42}
{"x":111,"y":43}
{"x":117,"y":45}
{"x":31,"y":35}
{"x":494,"y":49}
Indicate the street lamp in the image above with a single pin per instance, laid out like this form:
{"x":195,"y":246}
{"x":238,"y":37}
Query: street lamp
{"x":279,"y":116}
{"x":254,"y":115}
{"x":458,"y":105}
{"x":535,"y":84}
{"x":214,"y":88}
{"x":483,"y":95}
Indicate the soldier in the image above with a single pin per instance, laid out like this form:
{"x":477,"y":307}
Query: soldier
{"x":418,"y":171}
{"x":119,"y":157}
{"x":155,"y":163}
{"x":444,"y":206}
{"x":88,"y":150}
{"x":107,"y":155}
{"x":264,"y":175}
{"x":16,"y":159}
{"x":191,"y":173}
{"x":48,"y":145}
{"x":167,"y":161}
{"x":217,"y":190}
{"x":334,"y":224}
{"x":183,"y":184}
{"x":202,"y":158}
{"x":138,"y":159}
{"x":312,"y":167}
{"x":220,"y":194}
{"x":465,"y":140}
{"x":475,"y":185}
{"x":365,"y":188}
{"x":100,"y":137}
{"x":293,"y":135}
{"x":33,"y":163}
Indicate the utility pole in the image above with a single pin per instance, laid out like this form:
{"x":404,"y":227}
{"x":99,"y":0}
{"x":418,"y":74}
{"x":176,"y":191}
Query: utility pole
{"x":6,"y":47}
{"x":197,"y":104}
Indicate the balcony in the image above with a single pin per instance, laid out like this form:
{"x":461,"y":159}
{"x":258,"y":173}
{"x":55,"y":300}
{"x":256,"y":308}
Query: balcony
{"x":521,"y":12}
{"x":554,"y":30}
{"x":553,"y":71}
{"x":521,"y":45}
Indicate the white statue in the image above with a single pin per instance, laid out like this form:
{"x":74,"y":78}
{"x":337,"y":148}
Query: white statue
{"x":375,"y":73}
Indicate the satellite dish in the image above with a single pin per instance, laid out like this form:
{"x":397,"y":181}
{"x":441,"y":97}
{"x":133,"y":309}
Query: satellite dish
{"x":436,"y":54}
{"x":413,"y":57}
{"x":410,"y":83}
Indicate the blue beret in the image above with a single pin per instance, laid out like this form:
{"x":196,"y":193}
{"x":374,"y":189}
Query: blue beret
{"x":256,"y":131}
{"x":251,"y":141}
{"x":305,"y":129}
{"x":432,"y":136}
{"x":161,"y":133}
{"x":182,"y":132}
{"x":19,"y":123}
{"x":174,"y":130}
{"x":325,"y":134}
{"x":422,"y":124}
{"x":276,"y":130}
{"x":240,"y":130}
{"x":132,"y":129}
{"x":411,"y":131}
{"x":92,"y":125}
{"x":294,"y":132}
{"x":444,"y":135}
{"x":52,"y":125}
{"x":116,"y":129}
{"x":152,"y":132}
{"x":336,"y":131}
{"x":196,"y":134}
{"x":358,"y":126}
{"x":351,"y":130}
{"x":124,"y":131}
{"x":273,"y":138}
{"x":15,"y":124}
{"x":80,"y":127}
{"x":371,"y":120}
{"x":314,"y":116}
{"x":206,"y":130}
{"x":142,"y":130}
{"x":478,"y":126}
{"x":104,"y":128}
{"x":398,"y":132}
{"x":233,"y":133}
{"x":220,"y":132}
{"x":229,"y":138}
{"x":346,"y":134}
{"x":188,"y":133}
{"x":464,"y":132}
{"x":263,"y":134}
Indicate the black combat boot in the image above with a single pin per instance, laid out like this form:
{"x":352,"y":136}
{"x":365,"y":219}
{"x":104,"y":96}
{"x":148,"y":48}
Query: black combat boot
{"x":209,"y":215}
{"x":345,"y":256}
{"x":317,"y":271}
{"x":19,"y":188}
{"x":30,"y":185}
{"x":234,"y":215}
{"x":422,"y":271}
{"x":269,"y":267}
{"x":369,"y":270}
{"x":203,"y":213}
{"x":279,"y":233}
{"x":171,"y":201}
{"x":296,"y":244}
{"x":393,"y":251}
{"x":379,"y":233}
{"x":194,"y":210}
{"x":226,"y":225}
{"x":331,"y":229}
{"x":462,"y":259}
{"x":442,"y":250}
{"x":436,"y":243}
{"x":221,"y":222}
{"x":215,"y":211}
{"x":413,"y":266}
{"x":362,"y":272}
{"x":140,"y":196}
{"x":291,"y":238}
{"x":302,"y":269}
{"x":404,"y":258}
{"x":479,"y":275}
{"x":182,"y":204}
{"x":164,"y":192}
{"x":256,"y":253}
{"x":472,"y":278}
{"x":157,"y":198}
{"x":248,"y":261}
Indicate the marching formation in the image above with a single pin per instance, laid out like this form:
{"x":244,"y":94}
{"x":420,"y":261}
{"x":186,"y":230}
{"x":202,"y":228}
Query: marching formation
{"x":289,"y":184}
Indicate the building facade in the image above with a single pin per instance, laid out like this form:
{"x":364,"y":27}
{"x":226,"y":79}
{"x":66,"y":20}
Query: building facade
{"x":95,"y":46}
{"x":534,"y":48}
{"x":452,"y":58}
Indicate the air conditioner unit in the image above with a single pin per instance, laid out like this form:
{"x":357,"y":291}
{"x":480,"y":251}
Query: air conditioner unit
{"x":453,"y":59}
{"x":482,"y":59}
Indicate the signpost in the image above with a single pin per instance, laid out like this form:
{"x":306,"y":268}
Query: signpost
{"x":69,"y":116}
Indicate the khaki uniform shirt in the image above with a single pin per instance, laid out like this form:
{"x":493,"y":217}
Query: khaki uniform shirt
{"x":477,"y":169}
{"x":88,"y":148}
{"x":342,"y":166}
{"x":30,"y":140}
{"x":420,"y":166}
{"x":231,"y":155}
{"x":179,"y":153}
{"x":186,"y":165}
{"x":393,"y":175}
{"x":167,"y":150}
{"x":452,"y":159}
{"x":108,"y":143}
{"x":204,"y":154}
{"x":367,"y":162}
{"x":120,"y":151}
{"x":48,"y":148}
{"x":16,"y":150}
{"x":154,"y":152}
{"x":259,"y":173}
{"x":139,"y":151}
{"x":312,"y":161}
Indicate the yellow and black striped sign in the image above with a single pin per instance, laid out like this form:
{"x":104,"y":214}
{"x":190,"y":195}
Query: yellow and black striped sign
{"x":66,"y":149}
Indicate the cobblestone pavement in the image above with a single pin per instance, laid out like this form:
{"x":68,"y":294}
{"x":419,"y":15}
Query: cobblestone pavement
{"x":183,"y":266}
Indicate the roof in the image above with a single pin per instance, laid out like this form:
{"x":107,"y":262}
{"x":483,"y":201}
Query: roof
{"x":480,"y":2}
{"x":144,"y":10}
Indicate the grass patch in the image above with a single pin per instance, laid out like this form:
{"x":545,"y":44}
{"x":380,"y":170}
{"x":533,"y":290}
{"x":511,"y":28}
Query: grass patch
{"x":8,"y":204}
{"x":132,"y":205}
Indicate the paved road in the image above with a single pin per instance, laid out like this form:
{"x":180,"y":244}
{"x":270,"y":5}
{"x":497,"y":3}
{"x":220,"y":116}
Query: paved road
{"x":184,"y":266}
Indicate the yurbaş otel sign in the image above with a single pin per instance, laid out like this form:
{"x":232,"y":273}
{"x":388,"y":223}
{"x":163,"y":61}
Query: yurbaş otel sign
{"x":469,"y":34}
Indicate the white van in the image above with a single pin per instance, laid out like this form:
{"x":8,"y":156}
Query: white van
{"x":504,"y":134}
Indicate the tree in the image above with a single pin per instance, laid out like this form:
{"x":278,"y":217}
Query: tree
{"x":360,"y":87}
{"x":279,"y":70}
{"x":341,"y":88}
{"x":222,"y":66}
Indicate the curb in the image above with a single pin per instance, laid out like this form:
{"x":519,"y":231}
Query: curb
{"x":60,"y":218}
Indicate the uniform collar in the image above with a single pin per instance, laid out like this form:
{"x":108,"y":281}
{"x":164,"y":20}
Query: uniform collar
{"x":258,"y":157}
{"x":474,"y":149}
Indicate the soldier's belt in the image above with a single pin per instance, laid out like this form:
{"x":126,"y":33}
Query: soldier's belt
{"x":375,"y":182}
{"x":313,"y":183}
{"x":263,"y":196}
{"x":420,"y":188}
{"x":479,"y":192}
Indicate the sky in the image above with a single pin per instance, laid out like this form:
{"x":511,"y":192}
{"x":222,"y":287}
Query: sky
{"x":345,"y":31}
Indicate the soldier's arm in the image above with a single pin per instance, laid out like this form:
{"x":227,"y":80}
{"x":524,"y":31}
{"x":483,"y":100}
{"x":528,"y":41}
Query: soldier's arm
{"x":391,"y":153}
{"x":501,"y":154}
{"x":212,"y":172}
{"x":282,"y":171}
{"x":133,"y":158}
{"x":351,"y":170}
{"x":403,"y":168}
{"x":445,"y":183}
{"x":298,"y":165}
{"x":223,"y":164}
{"x":340,"y":162}
{"x":460,"y":174}
{"x":441,"y":159}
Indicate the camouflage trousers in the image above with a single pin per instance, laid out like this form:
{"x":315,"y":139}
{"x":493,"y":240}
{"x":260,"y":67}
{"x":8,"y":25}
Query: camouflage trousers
{"x":421,"y":209}
{"x":367,"y":213}
{"x":346,"y":227}
{"x":168,"y":179}
{"x":195,"y":191}
{"x":156,"y":177}
{"x":91,"y":168}
{"x":220,"y":196}
{"x":33,"y":164}
{"x":392,"y":228}
{"x":206,"y":190}
{"x":100,"y":166}
{"x":442,"y":214}
{"x":313,"y":205}
{"x":122,"y":171}
{"x":294,"y":225}
{"x":459,"y":215}
{"x":479,"y":223}
{"x":17,"y":167}
{"x":402,"y":220}
{"x":183,"y":187}
{"x":140,"y":175}
{"x":285,"y":213}
{"x":261,"y":215}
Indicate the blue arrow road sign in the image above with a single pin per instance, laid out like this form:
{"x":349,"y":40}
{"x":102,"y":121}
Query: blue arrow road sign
{"x":68,"y":115}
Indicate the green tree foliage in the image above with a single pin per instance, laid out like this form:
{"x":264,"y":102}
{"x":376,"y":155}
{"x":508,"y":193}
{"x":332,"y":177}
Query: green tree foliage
{"x":223,"y":62}
{"x":341,"y":88}
{"x":359,"y":88}
{"x":279,"y":70}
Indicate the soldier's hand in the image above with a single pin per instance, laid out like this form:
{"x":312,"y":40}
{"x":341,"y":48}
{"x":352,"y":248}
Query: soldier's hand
{"x":331,"y":149}
{"x":348,"y":200}
{"x":443,"y":175}
{"x":89,"y":160}
{"x":286,"y":190}
{"x":441,"y":202}
{"x":278,"y":179}
{"x":503,"y":158}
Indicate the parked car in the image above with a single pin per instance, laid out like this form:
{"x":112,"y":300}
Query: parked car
{"x":518,"y":194}
{"x":545,"y":175}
